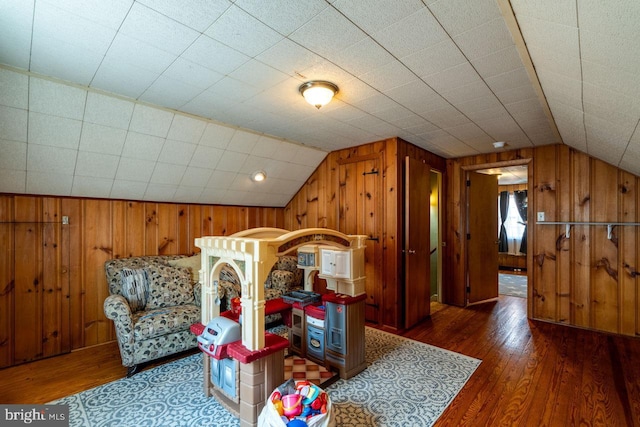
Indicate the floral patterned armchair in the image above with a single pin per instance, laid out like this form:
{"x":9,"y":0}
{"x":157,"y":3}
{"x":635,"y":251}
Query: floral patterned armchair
{"x":153,"y":301}
{"x":284,"y":277}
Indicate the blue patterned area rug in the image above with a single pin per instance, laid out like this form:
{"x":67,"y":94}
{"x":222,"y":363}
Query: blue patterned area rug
{"x":512,"y":284}
{"x":407,"y":383}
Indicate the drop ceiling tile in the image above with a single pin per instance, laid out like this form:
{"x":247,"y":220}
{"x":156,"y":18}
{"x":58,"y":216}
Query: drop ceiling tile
{"x":155,"y":192}
{"x":196,"y":14}
{"x":464,"y":93}
{"x":466,"y":131}
{"x":109,"y":14}
{"x":283,"y":16}
{"x":54,"y":131}
{"x":619,"y":20}
{"x":611,"y":106}
{"x":138,"y":170}
{"x":509,"y":80}
{"x":214,"y":55}
{"x":411,"y":34}
{"x":142,"y":147}
{"x":13,"y":181}
{"x":614,"y":52}
{"x":185,"y":194}
{"x":289,"y":57}
{"x":127,"y":190}
{"x":56,"y":99}
{"x":258,"y":74}
{"x":545,"y":35}
{"x":130,"y":51}
{"x":14,"y":88}
{"x":16,"y":18}
{"x":196,"y":177}
{"x":169,"y":93}
{"x":14,"y":155}
{"x":102,"y":139}
{"x":167,"y":174}
{"x":434,"y":59}
{"x":561,"y":12}
{"x":221,"y":179}
{"x":375,"y":103}
{"x":452,"y":78}
{"x":558,"y":63}
{"x":217,"y":136}
{"x":389,"y":76}
{"x":458,"y":16}
{"x":516,"y":94}
{"x":487,"y":103}
{"x":243,"y":32}
{"x":187,"y":129}
{"x":13,"y":123}
{"x":327,"y":32}
{"x":485,"y":39}
{"x":231,"y":161}
{"x":611,"y":78}
{"x":189,"y":72}
{"x":150,"y":121}
{"x":233,"y":89}
{"x":48,"y":182}
{"x":108,"y":111}
{"x":88,"y":186}
{"x":525,"y":106}
{"x":271,"y":148}
{"x":96,"y":165}
{"x":123,"y":79}
{"x":53,"y":58}
{"x":55,"y":24}
{"x":177,"y":152}
{"x":243,"y":142}
{"x":42,"y":158}
{"x":499,"y":62}
{"x":156,"y":29}
{"x":362,"y":57}
{"x":375,"y":15}
{"x":446,"y":117}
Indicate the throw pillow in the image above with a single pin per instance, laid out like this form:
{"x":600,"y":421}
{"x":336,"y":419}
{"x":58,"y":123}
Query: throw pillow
{"x":192,"y":262}
{"x":135,"y":288}
{"x":169,"y":286}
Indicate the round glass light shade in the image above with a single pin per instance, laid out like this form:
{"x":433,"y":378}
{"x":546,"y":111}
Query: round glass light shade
{"x":258,"y":176}
{"x":318,"y":93}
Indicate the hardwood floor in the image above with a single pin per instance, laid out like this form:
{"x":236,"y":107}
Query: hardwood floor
{"x":532,"y":373}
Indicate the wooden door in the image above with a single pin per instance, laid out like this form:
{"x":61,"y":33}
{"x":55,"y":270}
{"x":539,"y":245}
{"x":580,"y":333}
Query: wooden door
{"x":417,"y":283}
{"x":482,"y":237}
{"x":359,"y":213}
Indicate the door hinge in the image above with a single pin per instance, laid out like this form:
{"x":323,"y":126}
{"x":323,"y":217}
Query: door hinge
{"x":373,"y":172}
{"x":468,"y":289}
{"x":468,"y":236}
{"x":468,"y":183}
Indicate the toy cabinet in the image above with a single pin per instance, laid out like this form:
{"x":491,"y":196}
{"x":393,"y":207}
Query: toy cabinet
{"x":297,"y":341}
{"x":344,"y":328}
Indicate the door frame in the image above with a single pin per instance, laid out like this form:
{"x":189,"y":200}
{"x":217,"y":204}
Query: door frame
{"x":530,"y":237}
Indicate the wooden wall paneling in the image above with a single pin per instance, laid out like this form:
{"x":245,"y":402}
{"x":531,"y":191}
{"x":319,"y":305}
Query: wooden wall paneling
{"x":544,"y":252}
{"x":183,"y":234}
{"x":563,"y":246}
{"x":216,"y":218}
{"x":28,"y":291}
{"x":151,"y":243}
{"x":322,"y":183}
{"x":313,"y":201}
{"x":136,"y":229}
{"x":73,"y":209}
{"x":333,"y":203}
{"x":455,"y":258}
{"x":391,"y":295}
{"x":195,"y":226}
{"x":235,"y":219}
{"x":167,"y":218}
{"x":119,"y":228}
{"x":97,"y":250}
{"x":7,"y":283}
{"x":604,"y":258}
{"x":580,"y":240}
{"x":628,"y":249}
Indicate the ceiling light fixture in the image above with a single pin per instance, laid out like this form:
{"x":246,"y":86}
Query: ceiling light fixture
{"x":499,"y":144}
{"x":318,"y":92}
{"x":258,"y":176}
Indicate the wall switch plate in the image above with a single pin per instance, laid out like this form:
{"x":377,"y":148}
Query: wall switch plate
{"x":540,"y":216}
{"x":65,"y":220}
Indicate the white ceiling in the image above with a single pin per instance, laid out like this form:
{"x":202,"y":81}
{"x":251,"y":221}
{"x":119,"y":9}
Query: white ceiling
{"x":180,"y":100}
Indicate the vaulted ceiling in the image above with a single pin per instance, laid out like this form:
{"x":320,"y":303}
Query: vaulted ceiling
{"x":180,"y":100}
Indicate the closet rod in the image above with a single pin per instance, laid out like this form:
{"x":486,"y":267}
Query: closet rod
{"x":568,"y":224}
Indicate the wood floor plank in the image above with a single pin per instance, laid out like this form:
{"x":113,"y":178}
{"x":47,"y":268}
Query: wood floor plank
{"x":532,"y":373}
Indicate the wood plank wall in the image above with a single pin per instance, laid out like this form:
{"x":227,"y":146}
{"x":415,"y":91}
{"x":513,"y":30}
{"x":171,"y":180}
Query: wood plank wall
{"x":321,"y":202}
{"x":585,"y":280}
{"x":73,"y":257}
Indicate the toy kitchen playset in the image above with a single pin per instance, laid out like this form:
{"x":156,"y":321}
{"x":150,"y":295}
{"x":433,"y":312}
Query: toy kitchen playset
{"x":244,"y":363}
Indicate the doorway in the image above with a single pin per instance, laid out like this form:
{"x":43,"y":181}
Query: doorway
{"x":512,"y":203}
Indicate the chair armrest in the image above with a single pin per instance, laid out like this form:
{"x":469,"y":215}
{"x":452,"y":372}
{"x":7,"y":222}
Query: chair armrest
{"x":117,"y":309}
{"x":197,"y":293}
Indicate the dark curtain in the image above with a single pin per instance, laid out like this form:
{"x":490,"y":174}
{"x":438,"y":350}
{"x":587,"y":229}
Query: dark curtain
{"x":521,"y":204}
{"x":503,"y":245}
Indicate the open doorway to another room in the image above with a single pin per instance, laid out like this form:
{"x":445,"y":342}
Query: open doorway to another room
{"x":512,"y":229}
{"x":435,"y":254}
